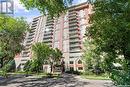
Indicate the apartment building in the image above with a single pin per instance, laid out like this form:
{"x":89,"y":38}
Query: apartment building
{"x":65,"y":32}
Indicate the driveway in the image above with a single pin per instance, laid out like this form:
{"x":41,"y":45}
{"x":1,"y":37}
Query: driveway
{"x":66,"y":80}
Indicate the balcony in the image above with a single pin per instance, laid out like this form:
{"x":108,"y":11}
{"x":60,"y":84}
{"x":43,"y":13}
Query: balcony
{"x":72,"y":12}
{"x":74,"y":45}
{"x":50,"y":26}
{"x":33,"y":26}
{"x":32,"y":31}
{"x":73,"y":21}
{"x":30,"y":37}
{"x":49,"y":18}
{"x":74,"y":36}
{"x":73,"y":17}
{"x":28,"y":44}
{"x":25,"y":55}
{"x":25,"y":52}
{"x":31,"y":34}
{"x":47,"y":37}
{"x":75,"y":50}
{"x":73,"y":32}
{"x":74,"y":40}
{"x":47,"y":41}
{"x":34,"y":23}
{"x":50,"y":21}
{"x":48,"y":32}
{"x":27,"y":47}
{"x":29,"y":41}
{"x":35,"y":19}
{"x":73,"y":29}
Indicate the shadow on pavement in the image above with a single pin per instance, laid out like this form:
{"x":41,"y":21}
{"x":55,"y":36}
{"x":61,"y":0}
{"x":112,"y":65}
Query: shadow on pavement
{"x":66,"y":80}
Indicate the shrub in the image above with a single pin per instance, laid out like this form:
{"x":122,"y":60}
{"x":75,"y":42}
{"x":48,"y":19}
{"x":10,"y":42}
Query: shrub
{"x":10,"y":66}
{"x":120,"y":77}
{"x":74,"y":72}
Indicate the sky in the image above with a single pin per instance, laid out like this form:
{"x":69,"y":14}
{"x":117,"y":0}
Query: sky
{"x":20,"y":10}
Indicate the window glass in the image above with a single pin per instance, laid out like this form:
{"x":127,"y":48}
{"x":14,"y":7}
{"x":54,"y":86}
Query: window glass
{"x":79,"y":62}
{"x":71,"y":62}
{"x":80,"y":68}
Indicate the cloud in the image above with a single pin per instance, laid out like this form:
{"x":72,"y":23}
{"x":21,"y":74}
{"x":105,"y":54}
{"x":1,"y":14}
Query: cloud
{"x":18,"y":6}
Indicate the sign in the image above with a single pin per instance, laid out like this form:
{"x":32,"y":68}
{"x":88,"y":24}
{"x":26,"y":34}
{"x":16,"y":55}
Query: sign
{"x":6,"y":7}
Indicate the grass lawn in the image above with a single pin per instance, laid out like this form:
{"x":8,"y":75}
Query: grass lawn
{"x":95,"y":77}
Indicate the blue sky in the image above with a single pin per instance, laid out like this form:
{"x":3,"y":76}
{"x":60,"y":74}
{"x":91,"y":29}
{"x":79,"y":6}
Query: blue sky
{"x":20,"y":10}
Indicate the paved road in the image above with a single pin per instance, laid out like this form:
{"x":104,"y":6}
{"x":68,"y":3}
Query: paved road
{"x":65,"y":81}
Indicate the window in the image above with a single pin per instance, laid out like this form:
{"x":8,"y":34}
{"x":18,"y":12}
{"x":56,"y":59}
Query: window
{"x":79,"y":62}
{"x":71,"y":62}
{"x":71,"y":68}
{"x":80,"y":68}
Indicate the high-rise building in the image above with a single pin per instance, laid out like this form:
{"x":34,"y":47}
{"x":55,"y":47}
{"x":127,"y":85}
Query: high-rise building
{"x":65,"y":33}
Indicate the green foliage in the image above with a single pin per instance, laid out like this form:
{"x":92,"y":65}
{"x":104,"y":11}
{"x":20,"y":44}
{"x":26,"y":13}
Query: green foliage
{"x":10,"y":66}
{"x":11,"y":36}
{"x":120,"y":77}
{"x":110,"y":34}
{"x":42,"y":54}
{"x":27,"y":66}
{"x":52,"y":7}
{"x":93,"y":62}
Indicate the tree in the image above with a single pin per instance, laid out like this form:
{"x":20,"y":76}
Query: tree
{"x":42,"y":53}
{"x":52,"y":7}
{"x":12,"y":31}
{"x":55,"y":58}
{"x":56,"y":55}
{"x":93,"y":62}
{"x":110,"y":32}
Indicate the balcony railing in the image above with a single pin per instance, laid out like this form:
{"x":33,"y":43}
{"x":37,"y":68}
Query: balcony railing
{"x":72,"y":12}
{"x":73,"y":29}
{"x":74,"y":40}
{"x":75,"y":50}
{"x":47,"y":37}
{"x":73,"y":17}
{"x":47,"y":41}
{"x":74,"y":45}
{"x":32,"y":31}
{"x":50,"y":21}
{"x":73,"y":21}
{"x":48,"y":32}
{"x":74,"y":37}
{"x":25,"y":55}
{"x":29,"y":41}
{"x":74,"y":32}
{"x":31,"y":34}
{"x":35,"y":19}
{"x":33,"y":25}
{"x":30,"y":37}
